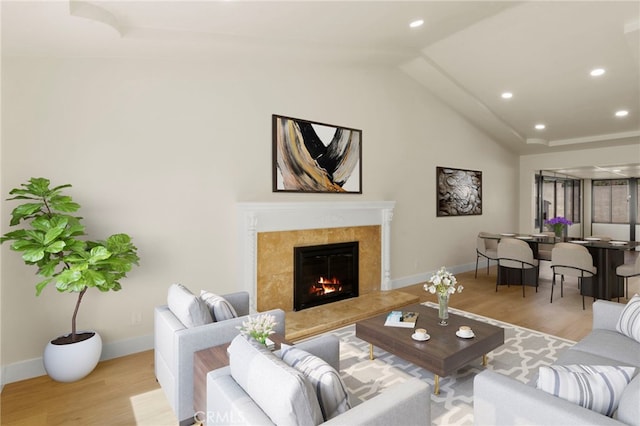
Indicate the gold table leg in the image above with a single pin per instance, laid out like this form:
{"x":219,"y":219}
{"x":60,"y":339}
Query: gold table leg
{"x":436,"y":389}
{"x":370,"y":351}
{"x":484,"y":360}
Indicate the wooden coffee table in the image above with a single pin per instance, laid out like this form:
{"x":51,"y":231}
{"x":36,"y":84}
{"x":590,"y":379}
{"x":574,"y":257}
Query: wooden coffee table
{"x":444,"y":352}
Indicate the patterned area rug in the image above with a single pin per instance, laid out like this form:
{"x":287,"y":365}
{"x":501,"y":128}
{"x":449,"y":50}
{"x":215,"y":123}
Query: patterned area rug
{"x":523,"y":352}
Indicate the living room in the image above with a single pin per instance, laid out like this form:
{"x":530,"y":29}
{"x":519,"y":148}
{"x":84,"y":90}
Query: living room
{"x":164,"y":144}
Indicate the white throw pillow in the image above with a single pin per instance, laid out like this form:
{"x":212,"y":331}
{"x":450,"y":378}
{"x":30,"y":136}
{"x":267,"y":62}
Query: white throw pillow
{"x":188,"y":308}
{"x":597,"y":387}
{"x":282,"y":392}
{"x":629,"y":321}
{"x":330,"y":389}
{"x":219,"y":307}
{"x":629,"y":407}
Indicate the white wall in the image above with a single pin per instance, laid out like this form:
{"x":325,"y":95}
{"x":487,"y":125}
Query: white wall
{"x":163,"y":150}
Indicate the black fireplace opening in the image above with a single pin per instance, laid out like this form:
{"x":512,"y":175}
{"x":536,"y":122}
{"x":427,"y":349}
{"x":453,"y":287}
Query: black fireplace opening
{"x":324,"y":274}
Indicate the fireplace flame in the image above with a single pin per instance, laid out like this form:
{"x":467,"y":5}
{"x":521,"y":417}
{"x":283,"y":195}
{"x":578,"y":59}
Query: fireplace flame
{"x":326,"y":286}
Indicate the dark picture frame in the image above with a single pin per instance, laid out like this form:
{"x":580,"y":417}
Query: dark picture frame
{"x":458,"y":192}
{"x":310,"y":156}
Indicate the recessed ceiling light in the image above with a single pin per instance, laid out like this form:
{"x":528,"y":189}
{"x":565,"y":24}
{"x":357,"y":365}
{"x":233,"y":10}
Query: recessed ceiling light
{"x":622,"y":113}
{"x":616,"y":170}
{"x":540,"y":126}
{"x":507,"y":95}
{"x":417,"y":23}
{"x":597,"y":72}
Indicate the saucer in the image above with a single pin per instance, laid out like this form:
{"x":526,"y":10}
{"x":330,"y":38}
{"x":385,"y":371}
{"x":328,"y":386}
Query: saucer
{"x":465,"y":337}
{"x":420,"y":339}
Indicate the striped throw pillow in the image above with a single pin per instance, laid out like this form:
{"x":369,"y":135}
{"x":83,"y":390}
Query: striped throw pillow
{"x":629,"y":321}
{"x":330,"y":389}
{"x":597,"y":388}
{"x":219,"y":307}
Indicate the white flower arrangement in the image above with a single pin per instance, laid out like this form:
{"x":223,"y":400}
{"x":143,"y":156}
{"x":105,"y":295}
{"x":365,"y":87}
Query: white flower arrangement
{"x":443,"y":283}
{"x":259,"y":327}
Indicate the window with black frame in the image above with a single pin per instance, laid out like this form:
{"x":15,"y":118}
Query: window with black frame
{"x":556,"y":196}
{"x":611,"y":201}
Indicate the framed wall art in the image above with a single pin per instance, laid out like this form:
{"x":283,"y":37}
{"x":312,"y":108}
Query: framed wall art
{"x":315,"y":157}
{"x":459,"y":192}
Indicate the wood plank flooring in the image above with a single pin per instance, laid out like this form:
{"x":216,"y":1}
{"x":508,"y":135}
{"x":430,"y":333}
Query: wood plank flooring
{"x":123,"y":391}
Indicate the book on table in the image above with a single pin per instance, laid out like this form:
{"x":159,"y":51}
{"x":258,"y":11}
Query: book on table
{"x":406,"y":319}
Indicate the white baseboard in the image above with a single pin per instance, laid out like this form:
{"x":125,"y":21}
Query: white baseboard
{"x":423,"y":277}
{"x":31,"y":368}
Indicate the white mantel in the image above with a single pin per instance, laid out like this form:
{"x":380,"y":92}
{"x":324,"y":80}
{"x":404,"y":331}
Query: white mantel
{"x":290,"y":216}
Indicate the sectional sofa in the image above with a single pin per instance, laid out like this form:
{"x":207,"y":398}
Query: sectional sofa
{"x":501,"y":400}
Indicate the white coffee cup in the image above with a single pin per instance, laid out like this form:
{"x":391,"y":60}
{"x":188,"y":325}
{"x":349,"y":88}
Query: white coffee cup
{"x":465,"y":331}
{"x":420,"y":333}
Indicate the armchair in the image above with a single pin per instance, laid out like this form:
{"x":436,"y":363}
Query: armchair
{"x":404,"y":404}
{"x":175,"y":344}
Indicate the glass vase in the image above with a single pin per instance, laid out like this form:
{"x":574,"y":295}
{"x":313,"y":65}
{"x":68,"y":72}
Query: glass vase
{"x":559,"y":231}
{"x":443,"y":308}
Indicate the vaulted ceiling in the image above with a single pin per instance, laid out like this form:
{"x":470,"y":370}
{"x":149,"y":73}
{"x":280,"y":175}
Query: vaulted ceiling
{"x":466,"y":53}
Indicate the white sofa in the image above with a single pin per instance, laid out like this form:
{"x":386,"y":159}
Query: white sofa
{"x":501,"y":400}
{"x":175,"y":345}
{"x":404,"y":404}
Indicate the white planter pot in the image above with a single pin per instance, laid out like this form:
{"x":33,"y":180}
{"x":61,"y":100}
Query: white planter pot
{"x":68,"y":363}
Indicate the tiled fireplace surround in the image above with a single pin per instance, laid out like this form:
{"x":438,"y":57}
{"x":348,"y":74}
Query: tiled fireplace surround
{"x":269,"y":232}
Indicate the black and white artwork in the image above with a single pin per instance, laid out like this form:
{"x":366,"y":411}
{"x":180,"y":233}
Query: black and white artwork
{"x":315,"y":157}
{"x":459,"y":192}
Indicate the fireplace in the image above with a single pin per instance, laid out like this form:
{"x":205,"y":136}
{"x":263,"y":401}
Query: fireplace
{"x":269,"y":231}
{"x":324,"y":274}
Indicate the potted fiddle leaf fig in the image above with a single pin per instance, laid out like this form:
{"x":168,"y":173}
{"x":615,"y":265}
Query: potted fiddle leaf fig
{"x":51,"y":239}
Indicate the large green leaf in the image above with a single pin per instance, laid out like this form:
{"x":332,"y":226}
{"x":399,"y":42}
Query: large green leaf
{"x":75,"y":246}
{"x":34,"y":235}
{"x":63,"y":203}
{"x":33,"y":254}
{"x":58,"y":188}
{"x":55,"y":247}
{"x":74,"y":227}
{"x":93,"y":278}
{"x":24,"y":211}
{"x":25,"y":244}
{"x":45,"y":223}
{"x":47,"y":269}
{"x":41,"y":285}
{"x":99,"y":253}
{"x":23,"y":197}
{"x":52,"y":235}
{"x":13,"y":235}
{"x":68,"y":276}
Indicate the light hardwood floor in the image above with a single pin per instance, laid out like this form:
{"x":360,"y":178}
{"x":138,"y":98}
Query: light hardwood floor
{"x":123,"y":391}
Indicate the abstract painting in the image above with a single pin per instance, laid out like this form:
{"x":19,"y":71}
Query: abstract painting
{"x":315,"y":157}
{"x":459,"y":192}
